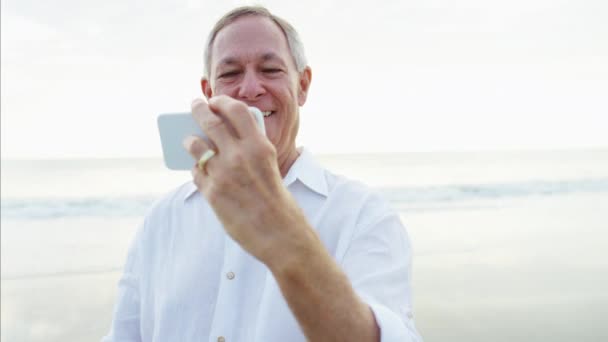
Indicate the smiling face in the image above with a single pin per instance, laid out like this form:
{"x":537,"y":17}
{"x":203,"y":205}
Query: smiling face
{"x":251,"y":62}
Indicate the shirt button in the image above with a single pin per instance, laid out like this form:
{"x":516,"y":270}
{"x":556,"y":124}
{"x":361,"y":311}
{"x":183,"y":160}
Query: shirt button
{"x":229,"y":275}
{"x":221,"y":339}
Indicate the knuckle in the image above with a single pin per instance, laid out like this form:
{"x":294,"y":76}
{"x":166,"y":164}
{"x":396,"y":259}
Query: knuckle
{"x":197,"y":103}
{"x":212,"y":122}
{"x":220,"y":101}
{"x":264,"y":150}
{"x":236,"y":159}
{"x":194,"y":146}
{"x":271,"y":149}
{"x":237,"y":107}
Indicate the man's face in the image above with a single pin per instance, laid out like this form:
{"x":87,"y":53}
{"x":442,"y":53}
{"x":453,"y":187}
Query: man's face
{"x":251,"y":62}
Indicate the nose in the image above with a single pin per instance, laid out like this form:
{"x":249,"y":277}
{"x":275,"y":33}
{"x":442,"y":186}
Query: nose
{"x":251,"y":86}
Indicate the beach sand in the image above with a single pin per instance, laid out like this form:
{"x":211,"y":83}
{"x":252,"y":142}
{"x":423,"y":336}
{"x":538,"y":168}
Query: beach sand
{"x":525,"y":270}
{"x":532,"y":269}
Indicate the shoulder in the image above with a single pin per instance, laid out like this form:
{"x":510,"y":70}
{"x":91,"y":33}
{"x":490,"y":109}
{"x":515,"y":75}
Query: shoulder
{"x":366,"y":219}
{"x":356,"y":197}
{"x":168,"y":204}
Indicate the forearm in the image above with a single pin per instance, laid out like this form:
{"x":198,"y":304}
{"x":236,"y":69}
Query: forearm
{"x":320,"y":295}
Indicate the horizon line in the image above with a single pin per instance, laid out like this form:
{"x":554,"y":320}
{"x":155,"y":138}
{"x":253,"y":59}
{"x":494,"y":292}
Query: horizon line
{"x":335,"y":154}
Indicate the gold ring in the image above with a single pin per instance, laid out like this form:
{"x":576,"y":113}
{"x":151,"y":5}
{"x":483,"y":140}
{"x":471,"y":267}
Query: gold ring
{"x":204,"y":159}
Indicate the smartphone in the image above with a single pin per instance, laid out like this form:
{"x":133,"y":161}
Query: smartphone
{"x":175,"y":127}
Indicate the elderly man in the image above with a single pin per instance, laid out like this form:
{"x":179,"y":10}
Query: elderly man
{"x":264,"y":244}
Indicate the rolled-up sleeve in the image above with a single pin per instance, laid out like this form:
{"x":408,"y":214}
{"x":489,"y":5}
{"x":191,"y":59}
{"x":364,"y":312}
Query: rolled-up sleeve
{"x":378,"y":263}
{"x":126,"y":318}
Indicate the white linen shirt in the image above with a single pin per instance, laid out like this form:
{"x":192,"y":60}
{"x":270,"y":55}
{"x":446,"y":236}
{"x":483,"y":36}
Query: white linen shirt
{"x":185,"y":279}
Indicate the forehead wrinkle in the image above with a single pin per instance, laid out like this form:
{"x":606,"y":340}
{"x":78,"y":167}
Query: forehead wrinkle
{"x":270,"y":42}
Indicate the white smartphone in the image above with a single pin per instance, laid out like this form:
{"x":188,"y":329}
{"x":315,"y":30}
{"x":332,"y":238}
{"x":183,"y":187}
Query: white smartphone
{"x":175,"y":127}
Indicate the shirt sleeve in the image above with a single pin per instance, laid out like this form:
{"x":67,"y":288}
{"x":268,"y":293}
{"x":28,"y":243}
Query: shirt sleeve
{"x":378,"y":263}
{"x":126,"y":318}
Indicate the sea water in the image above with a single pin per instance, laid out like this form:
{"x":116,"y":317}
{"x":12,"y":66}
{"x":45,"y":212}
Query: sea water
{"x":45,"y":189}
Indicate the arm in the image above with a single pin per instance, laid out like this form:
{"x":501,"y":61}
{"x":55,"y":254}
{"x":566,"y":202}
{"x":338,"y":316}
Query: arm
{"x":378,"y":262}
{"x":320,"y":295}
{"x":365,"y":298}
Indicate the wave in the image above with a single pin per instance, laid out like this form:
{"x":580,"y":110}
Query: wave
{"x":76,"y":207}
{"x":452,"y":193}
{"x":401,"y":197}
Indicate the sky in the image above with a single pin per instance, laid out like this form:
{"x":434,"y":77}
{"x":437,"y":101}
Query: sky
{"x":87,"y":79}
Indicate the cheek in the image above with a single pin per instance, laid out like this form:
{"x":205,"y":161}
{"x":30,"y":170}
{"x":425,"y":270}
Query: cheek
{"x":276,"y":130}
{"x":224,"y":89}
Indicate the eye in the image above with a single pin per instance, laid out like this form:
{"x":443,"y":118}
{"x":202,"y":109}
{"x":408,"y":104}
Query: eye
{"x":228,"y":74}
{"x":271,"y":70}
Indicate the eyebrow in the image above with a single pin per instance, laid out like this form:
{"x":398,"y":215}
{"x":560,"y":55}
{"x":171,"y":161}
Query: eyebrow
{"x":227,"y":61}
{"x":271,"y":56}
{"x":268,"y":56}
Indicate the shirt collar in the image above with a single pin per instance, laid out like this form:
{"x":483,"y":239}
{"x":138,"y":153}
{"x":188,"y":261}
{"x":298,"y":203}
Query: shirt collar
{"x":308,"y":172}
{"x":305,"y":169}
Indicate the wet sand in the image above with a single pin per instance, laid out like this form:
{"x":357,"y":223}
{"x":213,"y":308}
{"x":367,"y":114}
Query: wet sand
{"x":526,"y":270}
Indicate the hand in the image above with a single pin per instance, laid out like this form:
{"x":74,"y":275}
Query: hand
{"x":242,"y":182}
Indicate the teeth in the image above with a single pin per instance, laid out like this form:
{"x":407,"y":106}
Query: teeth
{"x":267,"y":113}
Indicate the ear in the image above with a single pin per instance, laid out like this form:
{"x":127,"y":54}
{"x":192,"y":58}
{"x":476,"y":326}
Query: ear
{"x":304,"y":85}
{"x":206,"y":87}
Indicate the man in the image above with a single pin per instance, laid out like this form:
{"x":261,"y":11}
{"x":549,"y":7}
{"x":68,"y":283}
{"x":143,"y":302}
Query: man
{"x":263,"y":244}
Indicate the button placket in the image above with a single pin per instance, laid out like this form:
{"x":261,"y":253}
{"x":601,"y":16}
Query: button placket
{"x":224,"y":310}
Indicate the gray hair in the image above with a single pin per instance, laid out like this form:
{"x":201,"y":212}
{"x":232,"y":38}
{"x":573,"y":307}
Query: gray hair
{"x":293,"y":38}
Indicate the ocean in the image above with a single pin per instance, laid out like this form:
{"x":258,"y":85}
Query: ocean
{"x":508,"y":245}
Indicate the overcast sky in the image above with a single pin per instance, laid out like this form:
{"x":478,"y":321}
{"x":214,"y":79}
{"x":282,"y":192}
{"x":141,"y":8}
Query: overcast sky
{"x":88,"y":78}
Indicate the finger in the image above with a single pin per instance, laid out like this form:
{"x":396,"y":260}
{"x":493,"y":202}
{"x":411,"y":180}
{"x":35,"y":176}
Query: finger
{"x":202,"y":153}
{"x":214,"y":126}
{"x":199,"y":178}
{"x":237,"y":113}
{"x":195,"y":146}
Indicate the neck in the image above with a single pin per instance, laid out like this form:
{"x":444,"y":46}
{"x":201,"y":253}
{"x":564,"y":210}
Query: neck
{"x":288,"y":160}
